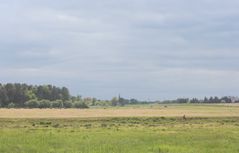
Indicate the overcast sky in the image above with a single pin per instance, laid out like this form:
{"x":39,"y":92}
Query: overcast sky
{"x":146,"y":49}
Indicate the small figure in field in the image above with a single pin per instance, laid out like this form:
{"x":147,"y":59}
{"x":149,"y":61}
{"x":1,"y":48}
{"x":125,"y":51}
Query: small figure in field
{"x":184,"y":117}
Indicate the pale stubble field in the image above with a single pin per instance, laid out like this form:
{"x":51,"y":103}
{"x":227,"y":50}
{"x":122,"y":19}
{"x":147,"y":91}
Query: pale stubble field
{"x":225,"y":110}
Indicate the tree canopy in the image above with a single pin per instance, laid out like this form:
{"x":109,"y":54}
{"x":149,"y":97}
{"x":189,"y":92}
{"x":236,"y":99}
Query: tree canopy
{"x":36,"y":96}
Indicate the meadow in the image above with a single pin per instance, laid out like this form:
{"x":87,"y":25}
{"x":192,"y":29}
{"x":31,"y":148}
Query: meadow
{"x":205,"y":129}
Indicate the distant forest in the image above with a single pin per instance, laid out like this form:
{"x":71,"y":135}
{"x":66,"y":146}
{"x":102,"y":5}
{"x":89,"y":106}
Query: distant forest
{"x":225,"y":99}
{"x":16,"y":95}
{"x":33,"y":96}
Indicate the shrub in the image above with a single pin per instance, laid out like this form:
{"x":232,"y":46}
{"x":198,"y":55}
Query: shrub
{"x":32,"y":103}
{"x":57,"y":104}
{"x":80,"y":105}
{"x":67,"y":104}
{"x":11,"y":105}
{"x":44,"y":104}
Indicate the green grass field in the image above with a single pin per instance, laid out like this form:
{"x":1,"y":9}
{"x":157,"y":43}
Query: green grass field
{"x":122,"y":134}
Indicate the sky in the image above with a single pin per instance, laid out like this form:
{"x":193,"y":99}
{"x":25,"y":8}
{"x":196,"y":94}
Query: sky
{"x":144,"y":49}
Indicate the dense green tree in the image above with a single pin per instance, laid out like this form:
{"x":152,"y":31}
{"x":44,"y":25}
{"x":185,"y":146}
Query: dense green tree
{"x":4,"y":101}
{"x":19,"y":94}
{"x":194,"y":100}
{"x":133,"y":101}
{"x":94,"y":100}
{"x":42,"y":96}
{"x":114,"y":101}
{"x":65,"y":94}
{"x":226,"y":99}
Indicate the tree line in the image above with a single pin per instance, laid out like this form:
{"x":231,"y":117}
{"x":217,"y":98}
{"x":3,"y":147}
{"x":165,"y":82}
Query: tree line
{"x":37,"y":96}
{"x":225,"y":99}
{"x":16,"y":95}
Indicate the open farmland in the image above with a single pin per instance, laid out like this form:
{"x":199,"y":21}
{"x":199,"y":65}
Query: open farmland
{"x":144,"y":129}
{"x":227,"y":110}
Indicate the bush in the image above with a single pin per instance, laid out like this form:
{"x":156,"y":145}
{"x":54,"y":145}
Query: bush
{"x":11,"y":105}
{"x":80,"y":105}
{"x":57,"y":104}
{"x":67,"y":104}
{"x":32,"y":103}
{"x":44,"y":104}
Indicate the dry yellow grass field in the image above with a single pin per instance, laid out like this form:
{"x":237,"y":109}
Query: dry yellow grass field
{"x":155,"y":111}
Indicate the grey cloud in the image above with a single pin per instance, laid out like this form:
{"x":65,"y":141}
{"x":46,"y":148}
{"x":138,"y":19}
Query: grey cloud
{"x":141,"y":48}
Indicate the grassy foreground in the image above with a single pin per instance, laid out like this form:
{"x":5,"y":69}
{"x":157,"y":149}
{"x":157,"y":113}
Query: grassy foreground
{"x":120,"y":135}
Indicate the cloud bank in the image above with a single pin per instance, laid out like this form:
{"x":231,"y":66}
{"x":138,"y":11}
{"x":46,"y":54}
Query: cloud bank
{"x":147,"y":49}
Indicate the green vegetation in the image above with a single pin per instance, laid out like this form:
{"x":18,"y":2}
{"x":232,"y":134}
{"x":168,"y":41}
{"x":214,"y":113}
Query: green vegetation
{"x":182,"y":134}
{"x":43,"y":96}
{"x":48,"y":96}
{"x":186,"y":131}
{"x":210,"y":100}
{"x":120,"y":135}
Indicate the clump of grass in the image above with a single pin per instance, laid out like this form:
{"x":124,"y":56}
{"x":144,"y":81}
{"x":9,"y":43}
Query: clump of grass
{"x":103,"y":125}
{"x":87,"y":126}
{"x":45,"y":123}
{"x":56,"y":125}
